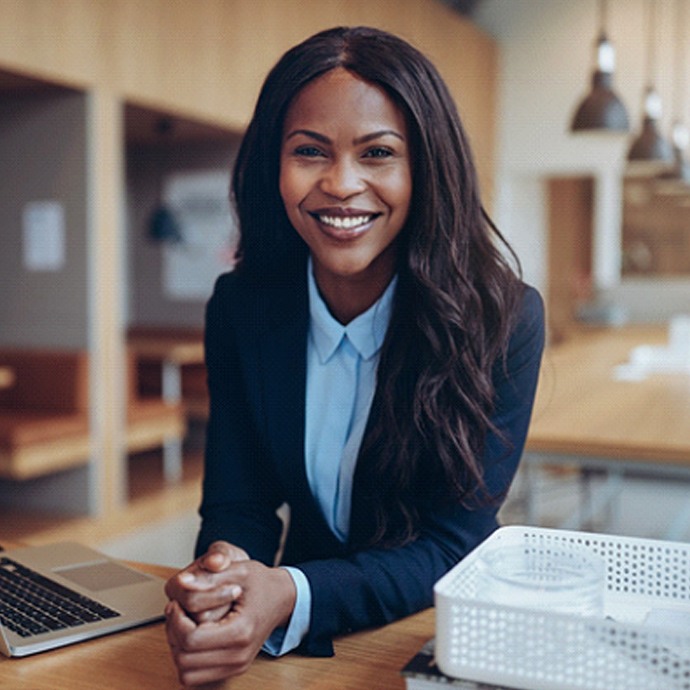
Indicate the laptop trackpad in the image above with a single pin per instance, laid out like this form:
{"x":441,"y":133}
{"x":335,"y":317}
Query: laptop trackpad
{"x":104,"y":575}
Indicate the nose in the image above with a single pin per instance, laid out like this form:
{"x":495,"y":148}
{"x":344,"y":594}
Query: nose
{"x":342,"y":179}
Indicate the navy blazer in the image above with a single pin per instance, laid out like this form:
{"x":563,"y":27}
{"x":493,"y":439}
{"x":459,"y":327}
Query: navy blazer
{"x":256,"y":343}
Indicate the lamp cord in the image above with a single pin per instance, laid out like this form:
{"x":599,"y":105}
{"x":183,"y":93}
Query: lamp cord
{"x":679,"y":61}
{"x":603,"y":17}
{"x":651,"y":51}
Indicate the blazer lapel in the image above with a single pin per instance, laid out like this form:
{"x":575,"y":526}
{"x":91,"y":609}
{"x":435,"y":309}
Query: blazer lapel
{"x":282,"y":365}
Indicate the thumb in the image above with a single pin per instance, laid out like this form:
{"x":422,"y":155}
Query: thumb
{"x":220,"y":556}
{"x":217,"y":558}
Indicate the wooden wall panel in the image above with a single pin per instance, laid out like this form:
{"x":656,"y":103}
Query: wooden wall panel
{"x":207,"y":58}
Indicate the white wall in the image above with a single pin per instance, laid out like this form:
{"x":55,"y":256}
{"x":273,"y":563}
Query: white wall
{"x":43,"y":158}
{"x":546,"y":59}
{"x":149,"y":303}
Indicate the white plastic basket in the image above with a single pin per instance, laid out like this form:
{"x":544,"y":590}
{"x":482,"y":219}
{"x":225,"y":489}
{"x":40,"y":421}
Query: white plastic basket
{"x":541,"y":650}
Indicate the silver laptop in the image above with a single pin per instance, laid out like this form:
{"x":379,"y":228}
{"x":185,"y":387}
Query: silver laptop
{"x":63,"y":593}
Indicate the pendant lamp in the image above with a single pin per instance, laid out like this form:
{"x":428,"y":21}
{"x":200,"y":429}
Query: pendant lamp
{"x":163,"y":225}
{"x":649,"y":145}
{"x":601,"y":109}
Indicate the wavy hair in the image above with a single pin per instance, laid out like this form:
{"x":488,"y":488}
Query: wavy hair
{"x":457,"y":292}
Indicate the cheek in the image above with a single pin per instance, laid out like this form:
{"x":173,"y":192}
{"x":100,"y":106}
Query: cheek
{"x":399,"y":192}
{"x":294,"y":184}
{"x":292,"y":194}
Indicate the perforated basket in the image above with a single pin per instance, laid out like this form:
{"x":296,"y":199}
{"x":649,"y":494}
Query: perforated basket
{"x":528,"y":648}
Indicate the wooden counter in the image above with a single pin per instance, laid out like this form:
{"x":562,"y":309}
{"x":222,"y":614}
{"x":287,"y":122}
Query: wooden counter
{"x":140,"y":659}
{"x":586,"y":416}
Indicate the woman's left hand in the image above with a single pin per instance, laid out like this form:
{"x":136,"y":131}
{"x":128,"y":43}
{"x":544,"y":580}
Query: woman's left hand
{"x":212,"y":650}
{"x":203,"y":589}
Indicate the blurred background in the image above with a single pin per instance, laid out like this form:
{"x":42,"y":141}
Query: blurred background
{"x":119,"y":123}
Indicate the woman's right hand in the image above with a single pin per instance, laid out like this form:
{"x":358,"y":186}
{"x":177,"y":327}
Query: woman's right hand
{"x":217,"y":649}
{"x":202,"y":589}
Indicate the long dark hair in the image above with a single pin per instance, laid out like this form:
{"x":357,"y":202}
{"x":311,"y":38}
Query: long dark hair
{"x":457,"y":293}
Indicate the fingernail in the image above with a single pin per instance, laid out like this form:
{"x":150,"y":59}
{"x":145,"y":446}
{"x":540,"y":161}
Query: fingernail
{"x":186,"y":578}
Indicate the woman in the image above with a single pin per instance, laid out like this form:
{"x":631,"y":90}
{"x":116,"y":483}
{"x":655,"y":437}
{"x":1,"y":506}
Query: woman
{"x":372,"y":362}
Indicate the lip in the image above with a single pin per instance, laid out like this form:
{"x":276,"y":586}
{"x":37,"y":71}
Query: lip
{"x":344,"y":224}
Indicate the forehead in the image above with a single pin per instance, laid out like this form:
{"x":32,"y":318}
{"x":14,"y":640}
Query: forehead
{"x":341,"y":99}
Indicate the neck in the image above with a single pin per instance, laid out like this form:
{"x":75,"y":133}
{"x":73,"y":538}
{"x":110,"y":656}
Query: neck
{"x":347,"y":298}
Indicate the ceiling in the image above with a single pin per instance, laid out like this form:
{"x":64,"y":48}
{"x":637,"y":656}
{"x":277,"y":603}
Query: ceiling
{"x":146,"y":125}
{"x":15,"y":82}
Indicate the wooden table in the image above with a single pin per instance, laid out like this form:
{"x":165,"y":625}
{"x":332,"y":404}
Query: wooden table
{"x":6,"y":376}
{"x":585,"y":416}
{"x":139,"y":659}
{"x":174,"y":353}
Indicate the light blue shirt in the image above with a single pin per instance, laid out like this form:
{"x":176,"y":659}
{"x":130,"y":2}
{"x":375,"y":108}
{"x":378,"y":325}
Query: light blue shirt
{"x":341,"y":379}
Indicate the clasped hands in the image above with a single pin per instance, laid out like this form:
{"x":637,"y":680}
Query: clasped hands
{"x":222,"y":609}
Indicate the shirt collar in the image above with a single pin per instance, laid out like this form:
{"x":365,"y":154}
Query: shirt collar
{"x":365,"y":333}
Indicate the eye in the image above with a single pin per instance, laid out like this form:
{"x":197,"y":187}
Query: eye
{"x":378,"y":152}
{"x":308,"y":151}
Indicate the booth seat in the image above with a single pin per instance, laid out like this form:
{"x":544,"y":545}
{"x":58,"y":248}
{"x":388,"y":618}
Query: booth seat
{"x":44,"y":415}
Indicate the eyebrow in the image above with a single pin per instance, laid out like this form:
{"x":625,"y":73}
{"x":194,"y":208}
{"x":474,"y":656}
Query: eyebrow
{"x":359,"y":140}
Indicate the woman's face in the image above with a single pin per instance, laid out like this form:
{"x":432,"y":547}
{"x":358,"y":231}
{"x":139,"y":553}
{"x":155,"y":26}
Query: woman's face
{"x":346,"y":177}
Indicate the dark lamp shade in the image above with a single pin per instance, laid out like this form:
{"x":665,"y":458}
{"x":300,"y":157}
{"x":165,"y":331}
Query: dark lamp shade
{"x":601,"y":109}
{"x":163,"y":226}
{"x":650,"y":145}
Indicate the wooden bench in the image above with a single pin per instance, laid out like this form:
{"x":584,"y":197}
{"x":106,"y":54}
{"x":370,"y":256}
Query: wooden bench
{"x":44,"y":416}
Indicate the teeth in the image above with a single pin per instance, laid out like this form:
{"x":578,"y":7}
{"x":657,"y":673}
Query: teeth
{"x":345,"y":222}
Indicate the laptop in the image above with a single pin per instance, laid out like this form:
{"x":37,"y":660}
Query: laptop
{"x":58,"y":594}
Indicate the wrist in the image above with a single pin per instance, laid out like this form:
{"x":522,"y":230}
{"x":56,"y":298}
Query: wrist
{"x":287,"y":595}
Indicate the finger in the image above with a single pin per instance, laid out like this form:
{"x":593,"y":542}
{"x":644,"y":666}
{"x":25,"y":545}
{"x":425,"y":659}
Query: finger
{"x":188,"y":578}
{"x":223,"y":596}
{"x":207,"y":676}
{"x":211,"y":615}
{"x":207,"y":659}
{"x":178,"y":626}
{"x":222,"y":660}
{"x":217,"y":558}
{"x":211,"y":569}
{"x":185,"y":635}
{"x":198,"y":579}
{"x":221,"y":555}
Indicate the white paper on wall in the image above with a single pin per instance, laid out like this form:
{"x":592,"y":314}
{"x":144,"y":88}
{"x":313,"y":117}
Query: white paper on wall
{"x":43,"y":235}
{"x":199,"y":202}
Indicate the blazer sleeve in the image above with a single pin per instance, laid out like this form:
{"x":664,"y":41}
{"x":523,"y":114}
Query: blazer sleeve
{"x":240,"y":495}
{"x":376,"y":586}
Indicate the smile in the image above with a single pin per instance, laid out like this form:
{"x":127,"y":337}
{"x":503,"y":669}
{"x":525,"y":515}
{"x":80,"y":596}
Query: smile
{"x":344,"y":222}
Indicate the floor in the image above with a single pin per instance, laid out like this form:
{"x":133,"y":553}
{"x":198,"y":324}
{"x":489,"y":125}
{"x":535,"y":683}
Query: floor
{"x":157,"y":524}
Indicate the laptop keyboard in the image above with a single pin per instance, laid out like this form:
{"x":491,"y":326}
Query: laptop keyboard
{"x":31,"y":604}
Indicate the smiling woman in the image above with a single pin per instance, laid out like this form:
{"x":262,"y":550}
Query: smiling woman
{"x":371,"y":362}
